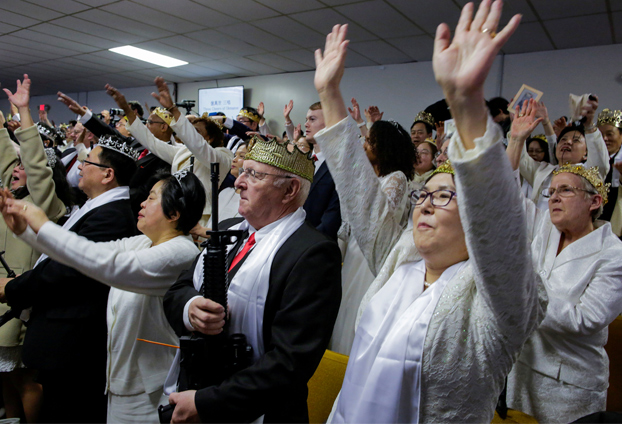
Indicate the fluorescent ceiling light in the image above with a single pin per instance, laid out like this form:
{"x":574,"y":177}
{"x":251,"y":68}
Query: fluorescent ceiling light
{"x":147,"y":56}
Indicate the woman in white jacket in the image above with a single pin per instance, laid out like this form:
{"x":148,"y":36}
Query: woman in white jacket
{"x":139,"y":271}
{"x":453,"y":301}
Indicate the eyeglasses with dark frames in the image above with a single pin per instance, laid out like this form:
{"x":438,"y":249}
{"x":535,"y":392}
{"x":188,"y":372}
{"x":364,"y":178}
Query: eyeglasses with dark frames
{"x":438,"y":198}
{"x":96,"y":164}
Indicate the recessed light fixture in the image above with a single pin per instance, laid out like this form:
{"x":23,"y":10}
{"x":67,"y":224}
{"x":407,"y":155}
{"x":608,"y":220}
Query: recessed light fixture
{"x":147,"y":56}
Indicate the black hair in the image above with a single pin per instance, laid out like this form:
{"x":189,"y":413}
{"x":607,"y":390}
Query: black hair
{"x":185,"y":196}
{"x":123,"y":166}
{"x":497,"y":105}
{"x":393,"y":148}
{"x":543,"y":145}
{"x":214,"y":133}
{"x":136,"y":107}
{"x":428,"y":127}
{"x":580,"y":128}
{"x":73,"y":122}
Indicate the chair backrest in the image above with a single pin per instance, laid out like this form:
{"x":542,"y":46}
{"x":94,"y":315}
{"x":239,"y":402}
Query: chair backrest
{"x":325,"y":384}
{"x":614,"y":351}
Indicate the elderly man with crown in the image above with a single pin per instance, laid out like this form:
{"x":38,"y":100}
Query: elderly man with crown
{"x":562,"y":373}
{"x":66,"y":337}
{"x":284,"y":295}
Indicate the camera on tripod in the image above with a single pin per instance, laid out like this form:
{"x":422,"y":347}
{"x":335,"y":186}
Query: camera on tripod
{"x":186,"y":104}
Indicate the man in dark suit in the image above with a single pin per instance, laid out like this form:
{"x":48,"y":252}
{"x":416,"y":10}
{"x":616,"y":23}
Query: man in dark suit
{"x":284,"y":296}
{"x":322,"y":205}
{"x":66,"y":337}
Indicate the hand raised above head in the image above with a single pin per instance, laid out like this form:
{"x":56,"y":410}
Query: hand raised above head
{"x":374,"y":113}
{"x":21,"y":97}
{"x":70,"y":103}
{"x":288,"y":109}
{"x":261,"y":108}
{"x":163,"y":95}
{"x":525,"y":121}
{"x":355,"y":112}
{"x":330,"y":64}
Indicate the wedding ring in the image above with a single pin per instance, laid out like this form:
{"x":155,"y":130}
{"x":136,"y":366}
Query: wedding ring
{"x":520,"y":115}
{"x":25,"y":207}
{"x":492,"y":34}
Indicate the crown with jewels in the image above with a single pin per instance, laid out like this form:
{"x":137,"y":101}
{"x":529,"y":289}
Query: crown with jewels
{"x":540,"y":137}
{"x":51,"y":154}
{"x":611,"y":117}
{"x":591,"y":175}
{"x":250,"y":115}
{"x":115,"y":143}
{"x":277,"y":154}
{"x":209,"y":118}
{"x":445,"y":168}
{"x":46,"y":131}
{"x":166,"y":116}
{"x":425,"y":117}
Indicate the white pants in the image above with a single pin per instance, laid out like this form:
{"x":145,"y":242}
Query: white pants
{"x":141,"y":408}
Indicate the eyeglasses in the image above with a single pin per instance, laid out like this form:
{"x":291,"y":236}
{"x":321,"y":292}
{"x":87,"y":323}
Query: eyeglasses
{"x":535,"y":151}
{"x":438,"y":198}
{"x":564,"y":190}
{"x":96,"y":164}
{"x":251,"y":173}
{"x":424,"y":152}
{"x":151,"y":122}
{"x":245,"y":121}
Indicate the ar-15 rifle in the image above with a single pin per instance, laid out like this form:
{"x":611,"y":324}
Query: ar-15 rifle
{"x":208,"y":360}
{"x":11,"y":313}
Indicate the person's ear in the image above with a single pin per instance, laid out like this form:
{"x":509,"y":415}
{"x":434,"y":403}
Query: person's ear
{"x":292,"y":190}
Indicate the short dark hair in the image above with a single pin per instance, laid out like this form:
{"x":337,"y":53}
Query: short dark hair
{"x":215,"y":134}
{"x":123,"y":166}
{"x":497,"y":105}
{"x":393,"y":148}
{"x":543,"y":145}
{"x":185,"y":196}
{"x":136,"y":107}
{"x":428,"y":127}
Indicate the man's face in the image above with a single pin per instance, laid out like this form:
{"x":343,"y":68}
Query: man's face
{"x":571,"y":148}
{"x":418,"y":133}
{"x":91,"y":174}
{"x":250,"y":124}
{"x":313,"y":123}
{"x":261,"y":202}
{"x":120,"y":126}
{"x":612,"y":137}
{"x":157,"y":126}
{"x":426,"y":158}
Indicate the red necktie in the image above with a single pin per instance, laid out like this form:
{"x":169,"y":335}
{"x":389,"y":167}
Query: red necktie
{"x":314,"y":158}
{"x":249,"y":243}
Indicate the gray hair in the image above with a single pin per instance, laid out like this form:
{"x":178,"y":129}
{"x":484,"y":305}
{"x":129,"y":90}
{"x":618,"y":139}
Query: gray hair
{"x":305,"y":185}
{"x":590,"y":191}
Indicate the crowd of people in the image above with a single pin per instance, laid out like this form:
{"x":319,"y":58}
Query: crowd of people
{"x":467,"y":259}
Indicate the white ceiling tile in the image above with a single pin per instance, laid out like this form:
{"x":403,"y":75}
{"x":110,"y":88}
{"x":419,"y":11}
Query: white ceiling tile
{"x":568,"y":8}
{"x":225,"y":42}
{"x":293,"y":31}
{"x":94,"y":29}
{"x":428,"y":15}
{"x":379,"y":18}
{"x":124,"y":24}
{"x":419,"y":47}
{"x":580,"y":31}
{"x":303,"y":56}
{"x":43,"y":51}
{"x":512,"y":7}
{"x":244,"y":10}
{"x":190,"y":11}
{"x":170,"y":50}
{"x":197,"y":47}
{"x":529,"y":37}
{"x":96,"y":3}
{"x":55,"y":32}
{"x":323,"y":21}
{"x":150,"y":16}
{"x":115,"y":62}
{"x":251,"y":65}
{"x":617,"y":24}
{"x":284,"y":64}
{"x":30,"y":10}
{"x":354,"y":60}
{"x":339,"y":2}
{"x":15,"y":18}
{"x":6,"y":28}
{"x":71,"y":46}
{"x":225,"y":68}
{"x":380,"y":51}
{"x":286,"y":7}
{"x":62,"y":6}
{"x":257,"y":37}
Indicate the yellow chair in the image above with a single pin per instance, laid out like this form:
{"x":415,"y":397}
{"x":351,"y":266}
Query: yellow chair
{"x":325,"y":384}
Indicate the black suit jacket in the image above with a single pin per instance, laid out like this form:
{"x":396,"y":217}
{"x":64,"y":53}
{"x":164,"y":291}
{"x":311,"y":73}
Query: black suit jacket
{"x":300,"y":311}
{"x":67,"y":326}
{"x":322,"y":205}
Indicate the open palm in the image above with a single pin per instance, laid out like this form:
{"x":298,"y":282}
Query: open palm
{"x":21,"y":98}
{"x":329,"y":66}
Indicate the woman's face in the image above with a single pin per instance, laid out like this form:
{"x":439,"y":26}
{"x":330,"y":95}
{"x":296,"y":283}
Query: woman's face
{"x":575,"y":211}
{"x":19,"y":176}
{"x":369,"y":150}
{"x":571,"y":148}
{"x":426,"y":157}
{"x":238,"y":160}
{"x":437,"y":231}
{"x":535,"y":151}
{"x":151,"y":218}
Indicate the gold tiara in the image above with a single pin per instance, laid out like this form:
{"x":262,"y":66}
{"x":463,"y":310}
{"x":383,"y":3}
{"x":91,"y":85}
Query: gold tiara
{"x":425,"y":117}
{"x":611,"y":117}
{"x":540,"y":137}
{"x":591,"y":175}
{"x":277,"y":154}
{"x":209,"y":118}
{"x":166,"y":116}
{"x":250,"y":115}
{"x":430,"y":141}
{"x":445,"y":168}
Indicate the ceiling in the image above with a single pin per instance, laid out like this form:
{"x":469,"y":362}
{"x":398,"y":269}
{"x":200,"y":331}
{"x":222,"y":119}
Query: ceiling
{"x":63,"y":44}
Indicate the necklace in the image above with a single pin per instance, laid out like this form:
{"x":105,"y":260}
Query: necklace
{"x":426,"y":284}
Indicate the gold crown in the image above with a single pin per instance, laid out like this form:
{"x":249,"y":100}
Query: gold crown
{"x":166,"y":116}
{"x":611,"y":117}
{"x":209,"y":118}
{"x":445,"y":168}
{"x":591,"y":175}
{"x":250,"y":115}
{"x":430,"y":141}
{"x":540,"y":137}
{"x":425,"y":117}
{"x":277,"y":154}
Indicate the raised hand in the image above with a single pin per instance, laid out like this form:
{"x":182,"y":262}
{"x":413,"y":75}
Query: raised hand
{"x":329,"y":66}
{"x":261,"y":109}
{"x":70,"y":103}
{"x":121,"y":101}
{"x":589,"y":110}
{"x":525,"y":121}
{"x":163,"y":95}
{"x":355,"y":112}
{"x":21,"y":98}
{"x":374,"y":113}
{"x":297,"y":132}
{"x":287,"y":110}
{"x":541,"y":111}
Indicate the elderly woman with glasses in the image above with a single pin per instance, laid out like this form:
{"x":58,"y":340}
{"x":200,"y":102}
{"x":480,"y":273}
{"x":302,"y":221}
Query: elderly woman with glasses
{"x":447,"y":314}
{"x":562,"y":373}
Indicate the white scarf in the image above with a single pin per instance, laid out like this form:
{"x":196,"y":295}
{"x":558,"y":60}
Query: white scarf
{"x":383,"y":379}
{"x":249,"y":288}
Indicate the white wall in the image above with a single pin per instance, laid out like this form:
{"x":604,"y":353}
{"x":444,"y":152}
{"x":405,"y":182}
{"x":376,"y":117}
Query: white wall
{"x":402,"y":90}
